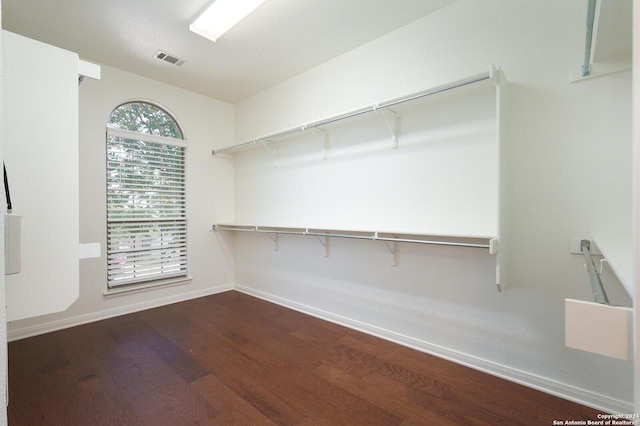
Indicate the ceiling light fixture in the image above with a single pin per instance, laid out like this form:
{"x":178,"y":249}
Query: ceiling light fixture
{"x":221,"y":15}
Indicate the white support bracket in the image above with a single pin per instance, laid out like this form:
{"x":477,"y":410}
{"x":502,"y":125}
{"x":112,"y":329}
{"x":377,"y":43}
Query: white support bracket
{"x":600,"y":269}
{"x":494,"y":246}
{"x":602,"y":262}
{"x":393,"y":249}
{"x":273,"y":152}
{"x":274,"y":238}
{"x":88,"y":69}
{"x":325,"y":244}
{"x":393,"y":124}
{"x":325,"y":140}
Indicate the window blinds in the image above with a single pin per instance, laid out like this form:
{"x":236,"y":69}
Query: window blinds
{"x":146,"y":209}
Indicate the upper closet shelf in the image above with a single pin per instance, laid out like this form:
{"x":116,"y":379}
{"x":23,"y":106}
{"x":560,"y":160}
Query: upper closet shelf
{"x":489,"y":76}
{"x":619,"y":255}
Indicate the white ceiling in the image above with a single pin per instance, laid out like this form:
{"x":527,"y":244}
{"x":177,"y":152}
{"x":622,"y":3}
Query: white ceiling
{"x":279,"y":40}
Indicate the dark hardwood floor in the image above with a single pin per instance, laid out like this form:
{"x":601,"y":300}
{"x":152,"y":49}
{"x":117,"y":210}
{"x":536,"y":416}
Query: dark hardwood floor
{"x":231,"y":359}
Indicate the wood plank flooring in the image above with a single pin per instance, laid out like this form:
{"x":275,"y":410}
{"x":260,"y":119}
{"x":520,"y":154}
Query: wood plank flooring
{"x":231,"y":359}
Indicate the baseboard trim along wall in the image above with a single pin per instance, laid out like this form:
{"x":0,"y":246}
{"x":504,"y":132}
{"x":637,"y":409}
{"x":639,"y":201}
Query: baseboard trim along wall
{"x":571,"y":393}
{"x":23,"y":333}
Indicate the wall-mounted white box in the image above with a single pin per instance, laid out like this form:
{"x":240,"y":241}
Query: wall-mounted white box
{"x":89,"y":250}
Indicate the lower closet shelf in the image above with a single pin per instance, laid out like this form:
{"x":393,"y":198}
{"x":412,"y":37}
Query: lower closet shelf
{"x":487,"y":242}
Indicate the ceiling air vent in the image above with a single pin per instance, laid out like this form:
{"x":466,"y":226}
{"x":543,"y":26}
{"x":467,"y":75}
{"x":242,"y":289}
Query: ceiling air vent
{"x":164,"y":56}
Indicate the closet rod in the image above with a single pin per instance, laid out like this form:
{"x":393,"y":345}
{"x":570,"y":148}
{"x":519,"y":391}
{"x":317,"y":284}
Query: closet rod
{"x":599,"y":294}
{"x":381,"y":105}
{"x":257,"y":229}
{"x":438,"y":243}
{"x":374,"y":236}
{"x":588,"y":44}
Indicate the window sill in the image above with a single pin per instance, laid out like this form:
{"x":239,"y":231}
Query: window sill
{"x":139,"y":288}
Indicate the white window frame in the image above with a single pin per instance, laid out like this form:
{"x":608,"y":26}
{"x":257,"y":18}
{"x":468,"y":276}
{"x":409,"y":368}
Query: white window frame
{"x":148,"y":261}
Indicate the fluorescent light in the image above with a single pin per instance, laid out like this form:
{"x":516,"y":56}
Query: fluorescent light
{"x":218,"y":18}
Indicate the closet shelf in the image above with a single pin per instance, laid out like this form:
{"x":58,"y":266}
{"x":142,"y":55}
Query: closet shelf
{"x":487,"y":76}
{"x":485,"y":242}
{"x":619,"y":255}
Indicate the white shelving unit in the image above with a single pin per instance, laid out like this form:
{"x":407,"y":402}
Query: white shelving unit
{"x":388,"y":238}
{"x":409,"y":164}
{"x":384,"y":107}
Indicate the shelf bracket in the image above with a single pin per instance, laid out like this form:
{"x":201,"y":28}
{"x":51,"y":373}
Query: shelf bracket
{"x":393,"y":249}
{"x":273,"y":152}
{"x":602,"y":262}
{"x":393,"y":124}
{"x":600,"y":269}
{"x":325,"y":140}
{"x":494,"y":246}
{"x":325,"y":244}
{"x":274,"y":238}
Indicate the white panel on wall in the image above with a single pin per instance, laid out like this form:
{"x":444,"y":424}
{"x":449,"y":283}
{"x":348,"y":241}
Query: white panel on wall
{"x":441,"y":180}
{"x":599,"y":328}
{"x":41,"y":156}
{"x":503,"y":109}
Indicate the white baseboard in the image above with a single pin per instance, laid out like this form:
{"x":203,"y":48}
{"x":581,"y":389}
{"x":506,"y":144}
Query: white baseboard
{"x":568,"y":392}
{"x":34,"y":330}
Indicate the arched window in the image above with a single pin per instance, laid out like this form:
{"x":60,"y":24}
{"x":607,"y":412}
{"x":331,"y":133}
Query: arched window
{"x":146,"y":203}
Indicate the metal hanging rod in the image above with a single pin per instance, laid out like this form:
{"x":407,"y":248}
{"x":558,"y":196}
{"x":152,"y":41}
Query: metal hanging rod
{"x":361,"y":235}
{"x":588,"y":44}
{"x":434,"y":242}
{"x":381,"y":105}
{"x":599,"y":294}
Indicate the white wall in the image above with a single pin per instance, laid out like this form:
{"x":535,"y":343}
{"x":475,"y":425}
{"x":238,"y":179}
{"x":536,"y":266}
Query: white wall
{"x":206,"y":123}
{"x":443,"y":180}
{"x":569,"y":176}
